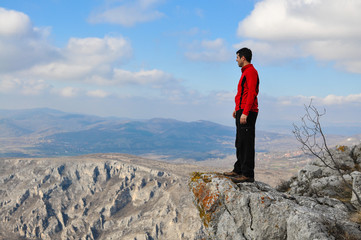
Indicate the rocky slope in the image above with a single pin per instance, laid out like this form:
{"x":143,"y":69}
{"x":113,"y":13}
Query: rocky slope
{"x":306,"y":209}
{"x":96,"y":197}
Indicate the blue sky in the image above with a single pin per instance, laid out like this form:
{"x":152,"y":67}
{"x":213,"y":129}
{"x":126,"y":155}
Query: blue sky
{"x":176,"y":59}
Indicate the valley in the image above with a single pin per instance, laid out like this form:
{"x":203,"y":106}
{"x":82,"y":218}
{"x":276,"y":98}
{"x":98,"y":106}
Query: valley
{"x":42,"y":133}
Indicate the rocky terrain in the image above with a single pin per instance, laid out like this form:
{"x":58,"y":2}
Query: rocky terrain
{"x":257,"y":211}
{"x":316,"y":204}
{"x":317,"y":179}
{"x":117,"y":196}
{"x":108,"y":196}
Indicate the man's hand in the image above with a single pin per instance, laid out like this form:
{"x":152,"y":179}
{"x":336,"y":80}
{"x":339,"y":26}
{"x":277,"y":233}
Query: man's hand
{"x":243,"y":119}
{"x":234,"y":114}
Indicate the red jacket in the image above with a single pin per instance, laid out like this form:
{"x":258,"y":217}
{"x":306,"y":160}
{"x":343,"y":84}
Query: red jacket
{"x":247,"y":92}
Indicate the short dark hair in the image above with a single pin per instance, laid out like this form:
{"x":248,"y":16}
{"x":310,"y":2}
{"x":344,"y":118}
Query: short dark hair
{"x":246,"y":53}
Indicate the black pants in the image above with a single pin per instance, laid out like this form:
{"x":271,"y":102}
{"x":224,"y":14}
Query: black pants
{"x":245,"y":140}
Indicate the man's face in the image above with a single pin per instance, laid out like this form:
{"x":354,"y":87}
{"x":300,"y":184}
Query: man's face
{"x":240,"y":60}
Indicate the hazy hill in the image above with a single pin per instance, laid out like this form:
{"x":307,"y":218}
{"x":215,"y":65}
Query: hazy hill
{"x":9,"y":128}
{"x":47,"y":121}
{"x":48,"y":132}
{"x":157,"y":136}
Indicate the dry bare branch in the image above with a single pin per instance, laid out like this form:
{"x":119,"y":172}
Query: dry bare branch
{"x":313,"y":140}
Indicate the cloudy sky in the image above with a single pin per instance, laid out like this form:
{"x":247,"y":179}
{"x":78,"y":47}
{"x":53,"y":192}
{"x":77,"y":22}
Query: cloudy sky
{"x":176,"y":59}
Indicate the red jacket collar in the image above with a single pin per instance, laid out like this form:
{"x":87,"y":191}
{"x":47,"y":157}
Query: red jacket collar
{"x":245,"y":67}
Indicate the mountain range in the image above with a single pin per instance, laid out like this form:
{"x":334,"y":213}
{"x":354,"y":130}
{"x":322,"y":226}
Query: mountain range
{"x":48,"y":132}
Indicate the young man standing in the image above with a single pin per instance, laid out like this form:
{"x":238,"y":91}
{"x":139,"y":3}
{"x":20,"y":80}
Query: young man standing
{"x":245,"y":113}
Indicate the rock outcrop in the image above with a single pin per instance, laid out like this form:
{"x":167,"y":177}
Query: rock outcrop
{"x":320,"y":178}
{"x":318,"y":203}
{"x":95,"y":197}
{"x":257,"y":211}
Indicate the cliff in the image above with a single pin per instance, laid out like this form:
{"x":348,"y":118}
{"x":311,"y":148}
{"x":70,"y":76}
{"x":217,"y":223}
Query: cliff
{"x":313,"y":205}
{"x":109,"y":196}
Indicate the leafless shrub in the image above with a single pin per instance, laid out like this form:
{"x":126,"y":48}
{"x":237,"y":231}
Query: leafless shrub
{"x":313,"y":140}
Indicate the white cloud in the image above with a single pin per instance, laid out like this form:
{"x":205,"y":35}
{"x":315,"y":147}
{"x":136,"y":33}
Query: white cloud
{"x":26,"y":52}
{"x":209,"y":51}
{"x":329,"y":100}
{"x":341,"y":100}
{"x":85,"y":57}
{"x":25,"y":86}
{"x":325,"y":29}
{"x":34,"y":87}
{"x":87,"y":61}
{"x":8,"y":84}
{"x":21,"y":44}
{"x":13,"y":23}
{"x":283,"y":20}
{"x":144,"y":78}
{"x":30,"y":65}
{"x":129,"y":13}
{"x":98,"y":93}
{"x":68,"y":92}
{"x":155,"y":78}
{"x":224,"y":96}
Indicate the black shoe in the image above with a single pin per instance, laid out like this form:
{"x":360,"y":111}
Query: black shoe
{"x":242,"y":179}
{"x":231,"y":174}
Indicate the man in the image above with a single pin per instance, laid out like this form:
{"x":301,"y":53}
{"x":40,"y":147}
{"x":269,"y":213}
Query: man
{"x":245,"y":113}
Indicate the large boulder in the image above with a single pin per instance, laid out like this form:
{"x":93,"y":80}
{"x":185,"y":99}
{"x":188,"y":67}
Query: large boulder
{"x":257,"y":211}
{"x":331,"y":176}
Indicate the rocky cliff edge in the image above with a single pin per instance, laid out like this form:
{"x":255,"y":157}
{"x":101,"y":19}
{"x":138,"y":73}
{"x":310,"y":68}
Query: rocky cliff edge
{"x":257,"y":211}
{"x":315,"y":204}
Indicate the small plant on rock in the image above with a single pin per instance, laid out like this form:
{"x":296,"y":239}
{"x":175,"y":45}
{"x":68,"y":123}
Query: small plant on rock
{"x":285,"y":185}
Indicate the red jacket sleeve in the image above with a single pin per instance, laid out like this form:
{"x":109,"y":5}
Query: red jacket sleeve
{"x":252,"y":82}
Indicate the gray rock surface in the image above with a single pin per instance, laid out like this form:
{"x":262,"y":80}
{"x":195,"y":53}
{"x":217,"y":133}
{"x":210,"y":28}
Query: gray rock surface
{"x":357,"y":187}
{"x":318,"y":180}
{"x":257,"y":211}
{"x":96,"y":197}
